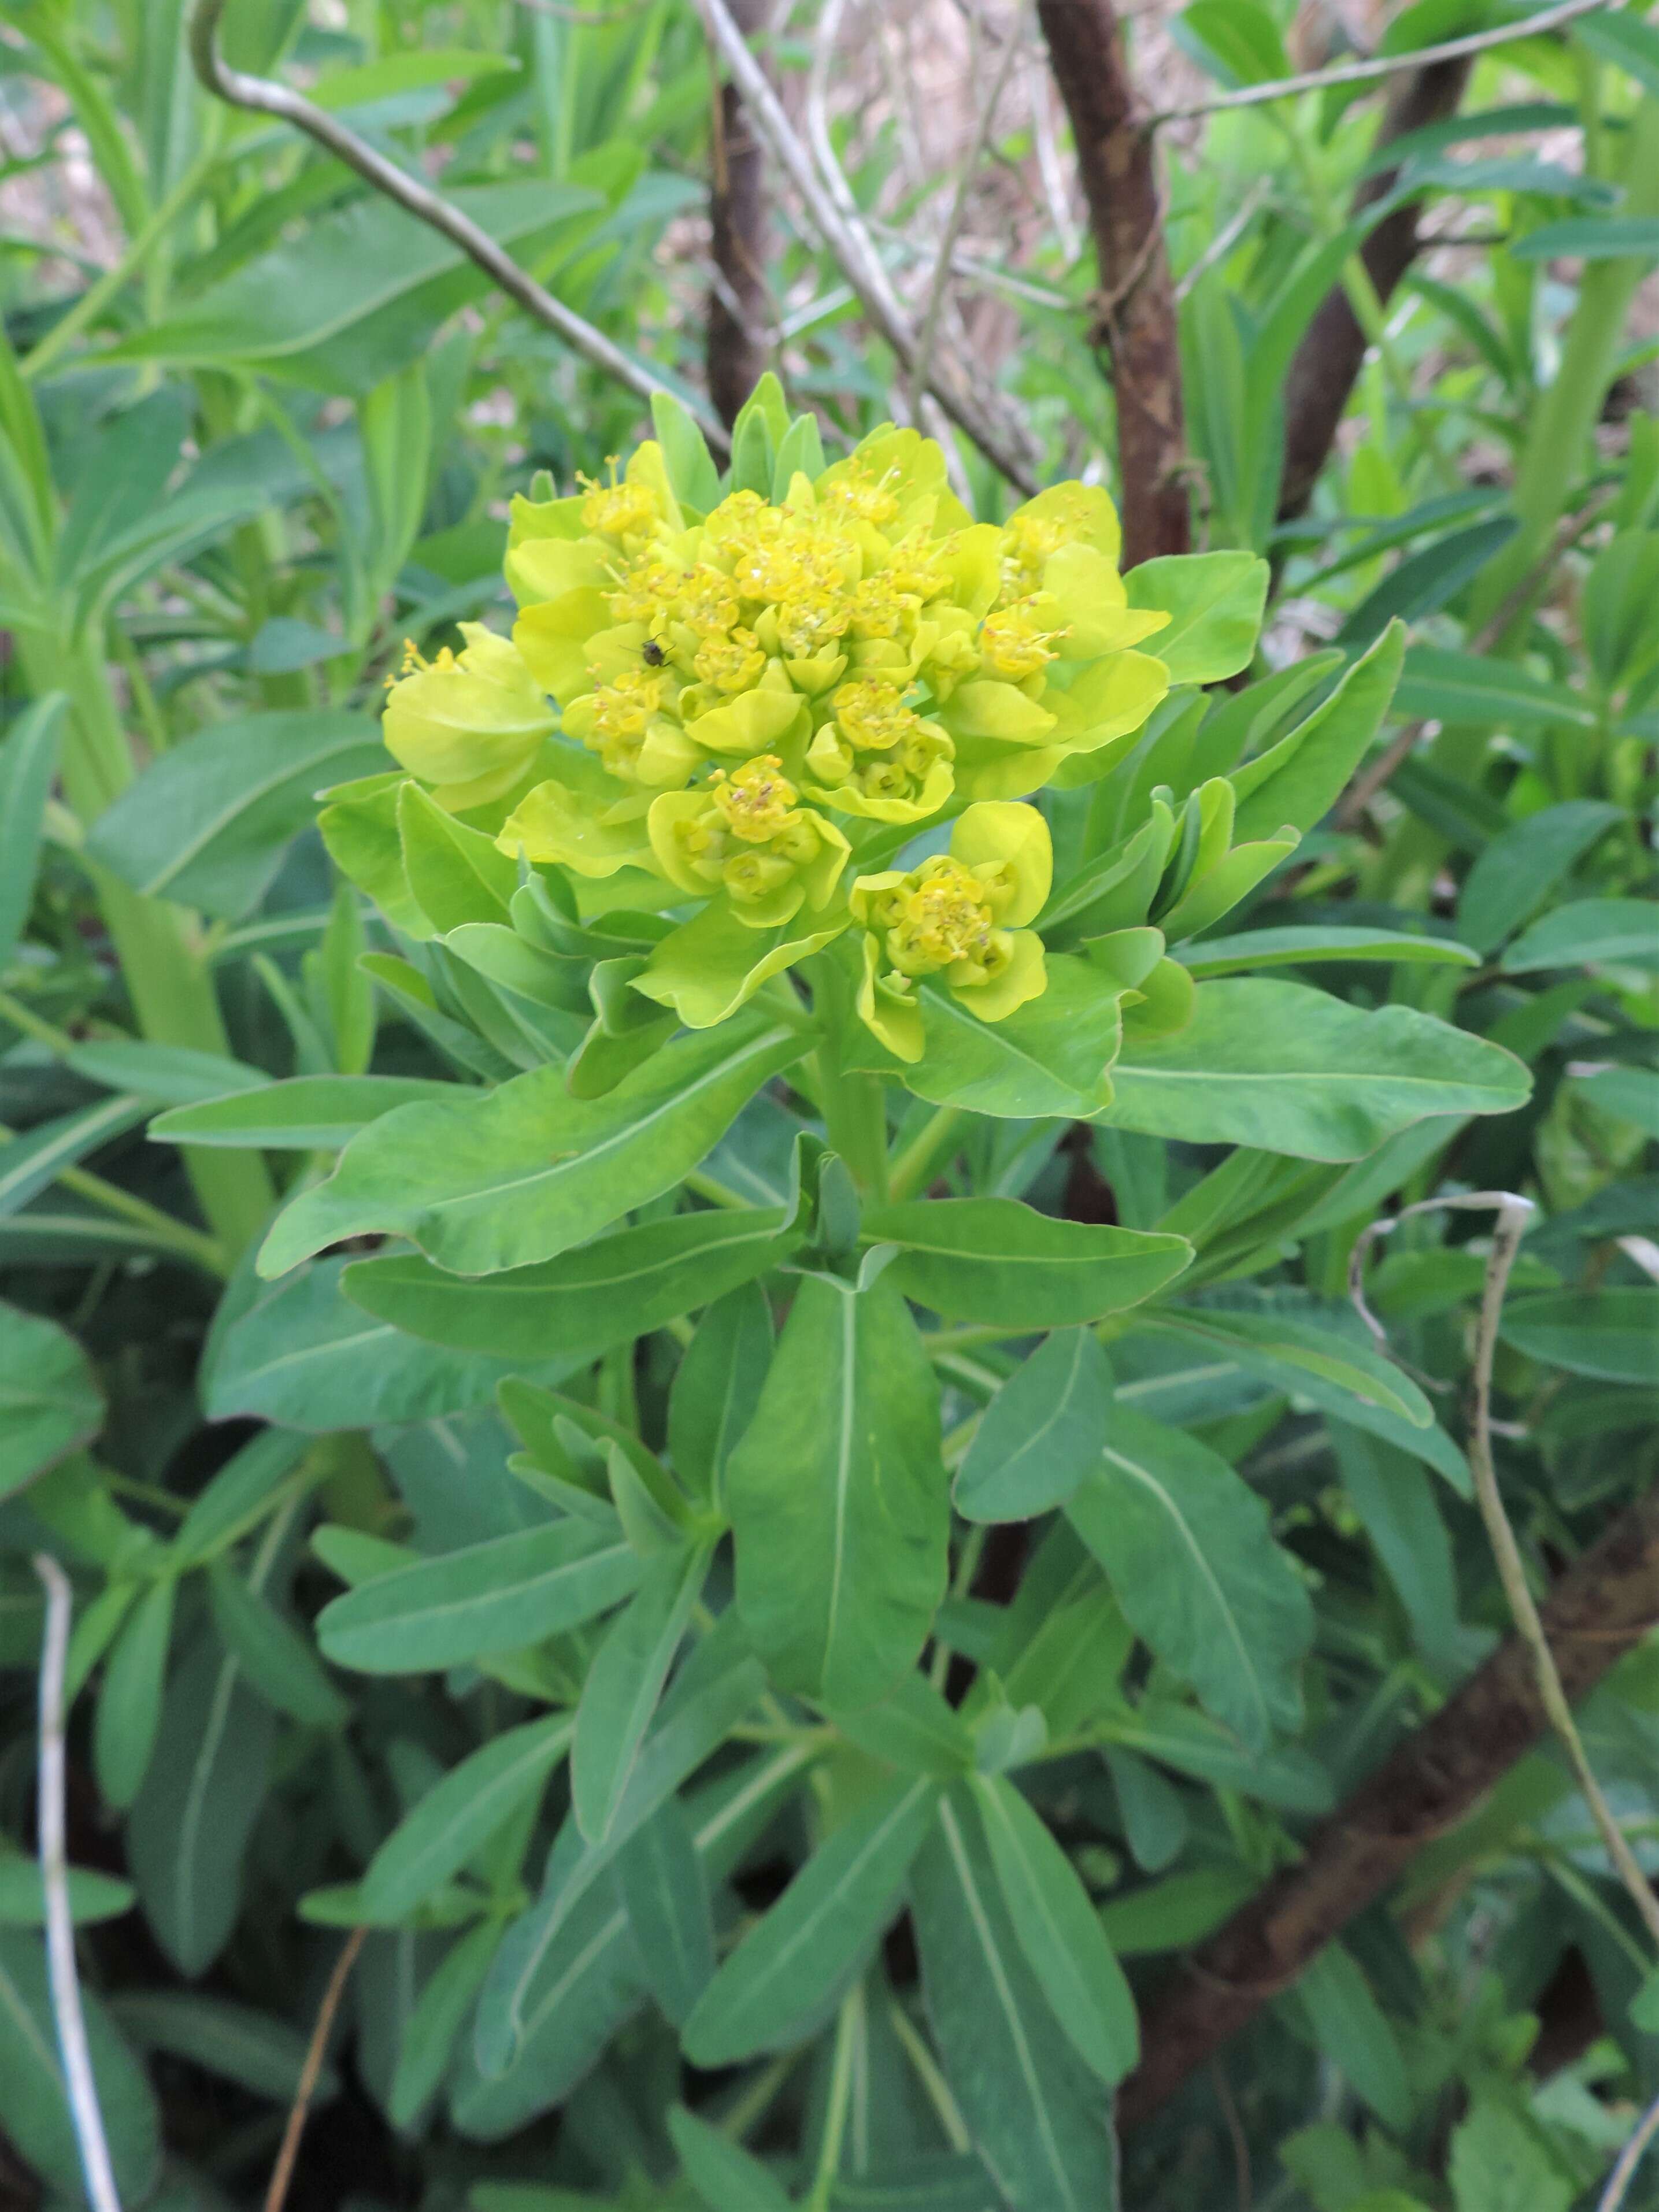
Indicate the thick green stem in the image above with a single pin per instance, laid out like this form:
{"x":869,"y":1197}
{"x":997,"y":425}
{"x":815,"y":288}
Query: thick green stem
{"x":855,"y":1105}
{"x":1551,"y":461}
{"x":168,"y":978}
{"x":1568,"y":411}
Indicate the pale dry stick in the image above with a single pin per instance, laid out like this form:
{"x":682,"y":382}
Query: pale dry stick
{"x":848,"y":243}
{"x":925,"y":407}
{"x":1038,"y":87}
{"x":1630,"y":2158}
{"x":264,"y":96}
{"x":1515,"y":1216}
{"x":939,"y":288}
{"x":282,"y":2172}
{"x":78,"y":2080}
{"x":1365,"y":72}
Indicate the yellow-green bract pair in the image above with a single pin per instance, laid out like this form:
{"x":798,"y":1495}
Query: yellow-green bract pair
{"x":761,"y":706}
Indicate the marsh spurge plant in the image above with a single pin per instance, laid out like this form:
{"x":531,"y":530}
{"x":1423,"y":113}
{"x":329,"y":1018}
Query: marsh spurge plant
{"x":807,"y":862}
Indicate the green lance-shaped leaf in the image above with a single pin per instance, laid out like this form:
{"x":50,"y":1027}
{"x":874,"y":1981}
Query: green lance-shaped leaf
{"x":459,"y":1814}
{"x":1042,"y":1433}
{"x":50,"y":1401}
{"x":1611,"y":1334}
{"x":201,"y":1797}
{"x":837,"y":1497}
{"x":303,"y":1114}
{"x":34,"y":2105}
{"x":995,"y":1259}
{"x":1286,"y":1069}
{"x":1284,"y":948}
{"x":717,"y":1387}
{"x":1188,"y":1548}
{"x":1442,"y":686}
{"x":1036,"y":2113}
{"x":130,"y":1702}
{"x":793,"y":1965}
{"x":360,"y":293}
{"x":91,"y":1897}
{"x":1588,"y":933}
{"x":489,"y":1597}
{"x":1516,"y":874}
{"x":1352,"y":2031}
{"x":1296,"y":1352}
{"x":661,"y":1880}
{"x":1059,"y":1931}
{"x":276,"y":1660}
{"x":625,"y":1682}
{"x":28,"y":761}
{"x":171,"y":1074}
{"x":235,"y":2041}
{"x":207,"y":822}
{"x":238,"y":1496}
{"x":1298,"y":780}
{"x":441,"y":2012}
{"x":608,"y":1292}
{"x":28,"y":1164}
{"x":726,"y":2177}
{"x":567,"y":1976}
{"x":520,"y":1173}
{"x":304,"y":1355}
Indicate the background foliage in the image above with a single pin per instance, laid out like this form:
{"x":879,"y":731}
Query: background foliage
{"x":259,"y":428}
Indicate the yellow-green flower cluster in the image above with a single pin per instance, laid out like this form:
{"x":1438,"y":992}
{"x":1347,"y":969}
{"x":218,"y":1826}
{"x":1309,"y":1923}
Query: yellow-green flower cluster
{"x":752,"y":698}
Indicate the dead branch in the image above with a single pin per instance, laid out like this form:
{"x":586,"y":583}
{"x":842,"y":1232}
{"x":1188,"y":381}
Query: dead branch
{"x":1600,"y":1608}
{"x":1135,"y":309}
{"x":739,"y":303}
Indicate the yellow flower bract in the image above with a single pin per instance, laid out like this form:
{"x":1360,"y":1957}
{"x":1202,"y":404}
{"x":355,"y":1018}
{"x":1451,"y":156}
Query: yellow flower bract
{"x":748,"y":699}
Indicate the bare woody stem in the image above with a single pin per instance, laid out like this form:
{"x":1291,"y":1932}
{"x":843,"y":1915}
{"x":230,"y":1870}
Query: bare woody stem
{"x":266,"y":97}
{"x":1515,"y":1216}
{"x":848,"y":241}
{"x":1383,"y":65}
{"x":1135,"y":309}
{"x":316,"y":2051}
{"x":78,"y":2080}
{"x":1604,"y":1606}
{"x":739,"y":302}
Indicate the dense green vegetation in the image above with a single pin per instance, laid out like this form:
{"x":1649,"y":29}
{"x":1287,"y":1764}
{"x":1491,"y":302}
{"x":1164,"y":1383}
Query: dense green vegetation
{"x":837,"y":1293}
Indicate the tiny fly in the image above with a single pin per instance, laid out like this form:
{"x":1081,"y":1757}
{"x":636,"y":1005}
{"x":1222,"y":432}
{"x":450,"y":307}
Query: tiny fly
{"x":654,"y":655}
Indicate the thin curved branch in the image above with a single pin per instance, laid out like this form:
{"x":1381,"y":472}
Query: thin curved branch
{"x":938,"y":289}
{"x":1515,"y":1216}
{"x":265,"y":97}
{"x":79,"y":2086}
{"x":1381,"y":65}
{"x":847,"y":240}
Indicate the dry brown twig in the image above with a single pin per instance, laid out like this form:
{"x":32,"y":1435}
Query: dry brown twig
{"x":79,"y":2082}
{"x":1382,"y":65}
{"x":939,"y":288}
{"x":1515,"y":1216}
{"x":845,"y":237}
{"x":1630,"y":2158}
{"x":282,"y":2172}
{"x":264,"y":96}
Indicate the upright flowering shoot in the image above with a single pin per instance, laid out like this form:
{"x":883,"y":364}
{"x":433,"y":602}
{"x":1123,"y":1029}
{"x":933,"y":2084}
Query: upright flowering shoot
{"x":759,"y":709}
